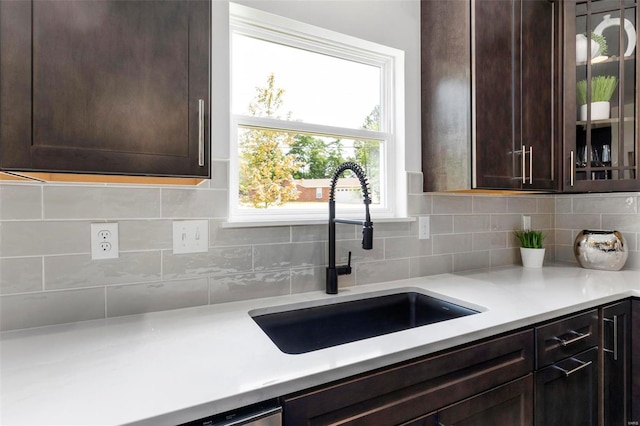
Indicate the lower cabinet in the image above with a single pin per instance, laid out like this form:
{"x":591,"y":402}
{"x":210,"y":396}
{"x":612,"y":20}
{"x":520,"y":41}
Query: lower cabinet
{"x":566,"y":376}
{"x":509,"y":404}
{"x":412,"y":393}
{"x":567,"y":392}
{"x":582,"y":369}
{"x":634,"y":418}
{"x":616,"y":363}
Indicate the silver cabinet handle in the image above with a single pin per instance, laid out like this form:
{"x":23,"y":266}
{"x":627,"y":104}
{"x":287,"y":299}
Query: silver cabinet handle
{"x":524,"y":165}
{"x":524,"y":162}
{"x":571,"y":169}
{"x":580,"y":336}
{"x":615,"y":337}
{"x":201,"y":132}
{"x":531,"y":165}
{"x":567,"y":373}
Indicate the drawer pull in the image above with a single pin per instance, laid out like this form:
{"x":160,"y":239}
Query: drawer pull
{"x":615,"y":337}
{"x":579,"y":336}
{"x":567,"y":373}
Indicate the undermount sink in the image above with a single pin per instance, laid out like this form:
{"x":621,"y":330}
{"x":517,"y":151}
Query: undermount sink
{"x":307,"y":329}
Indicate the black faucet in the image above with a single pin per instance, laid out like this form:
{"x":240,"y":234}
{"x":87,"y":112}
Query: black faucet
{"x":367,"y":225}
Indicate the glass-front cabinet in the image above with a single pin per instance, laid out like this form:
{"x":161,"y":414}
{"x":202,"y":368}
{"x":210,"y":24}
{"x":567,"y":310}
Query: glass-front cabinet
{"x":601,"y":96}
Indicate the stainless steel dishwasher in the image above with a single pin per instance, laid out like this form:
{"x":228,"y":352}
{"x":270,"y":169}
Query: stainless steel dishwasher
{"x":261,"y":414}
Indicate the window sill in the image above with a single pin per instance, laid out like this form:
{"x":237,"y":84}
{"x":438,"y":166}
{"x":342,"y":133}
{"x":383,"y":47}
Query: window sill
{"x":303,"y":222}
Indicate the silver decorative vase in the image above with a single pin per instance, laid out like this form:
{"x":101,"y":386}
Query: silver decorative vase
{"x":598,"y":249}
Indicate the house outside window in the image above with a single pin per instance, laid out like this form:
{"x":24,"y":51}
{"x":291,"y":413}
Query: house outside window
{"x":304,"y":100}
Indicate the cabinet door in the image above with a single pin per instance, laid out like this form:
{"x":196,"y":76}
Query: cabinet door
{"x":634,"y":418}
{"x":510,"y":404}
{"x":513,"y":80}
{"x":412,"y":391}
{"x":567,"y":392}
{"x":113,"y":86}
{"x":601,"y":97}
{"x":616,"y":363}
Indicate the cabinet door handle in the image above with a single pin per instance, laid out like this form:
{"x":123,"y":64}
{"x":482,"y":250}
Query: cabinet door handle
{"x":201,"y":132}
{"x":579,"y":336}
{"x":524,"y":165}
{"x":615,"y":337}
{"x":571,"y":169}
{"x":531,"y":165}
{"x":567,"y":373}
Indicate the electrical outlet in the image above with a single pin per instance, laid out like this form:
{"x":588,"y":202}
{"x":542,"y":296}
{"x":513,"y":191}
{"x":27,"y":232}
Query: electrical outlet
{"x":526,"y":223}
{"x":424,"y":228}
{"x":104,"y":241}
{"x":190,"y":236}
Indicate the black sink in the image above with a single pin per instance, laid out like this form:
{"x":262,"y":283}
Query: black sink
{"x":309,"y":329}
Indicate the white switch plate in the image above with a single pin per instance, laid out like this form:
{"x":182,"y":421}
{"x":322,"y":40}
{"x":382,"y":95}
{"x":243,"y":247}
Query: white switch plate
{"x":190,"y":236}
{"x":526,"y":223}
{"x":424,"y":228}
{"x":104,"y":241}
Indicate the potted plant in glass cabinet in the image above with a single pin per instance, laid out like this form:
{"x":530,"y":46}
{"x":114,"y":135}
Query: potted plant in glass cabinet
{"x":600,"y":146}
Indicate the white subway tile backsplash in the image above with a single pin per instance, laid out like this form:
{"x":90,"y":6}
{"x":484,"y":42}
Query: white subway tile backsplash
{"x":47,"y":277}
{"x":20,"y":202}
{"x":231,"y":288}
{"x":380,"y":271}
{"x":218,"y":260}
{"x":20,"y":275}
{"x":193,"y":203}
{"x":457,"y":204}
{"x":97,"y":203}
{"x":489,"y":204}
{"x":77,"y":271}
{"x":51,"y":307}
{"x":402,"y":247}
{"x":431,"y":265}
{"x":471,"y":223}
{"x":160,"y":296}
{"x":37,"y":238}
{"x":471,"y":260}
{"x":278,"y":256}
{"x":522,"y":204}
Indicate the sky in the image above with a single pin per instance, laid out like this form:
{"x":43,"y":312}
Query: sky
{"x":318,"y":88}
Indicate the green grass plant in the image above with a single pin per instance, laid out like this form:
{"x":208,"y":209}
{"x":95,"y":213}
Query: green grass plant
{"x":602,"y":88}
{"x":530,"y":238}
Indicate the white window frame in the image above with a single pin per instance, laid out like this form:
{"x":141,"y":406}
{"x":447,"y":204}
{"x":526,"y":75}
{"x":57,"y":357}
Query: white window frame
{"x":267,"y":26}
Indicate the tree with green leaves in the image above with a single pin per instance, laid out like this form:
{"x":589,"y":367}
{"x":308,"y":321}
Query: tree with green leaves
{"x":266,"y":171}
{"x":367,"y":152}
{"x":319,"y":157}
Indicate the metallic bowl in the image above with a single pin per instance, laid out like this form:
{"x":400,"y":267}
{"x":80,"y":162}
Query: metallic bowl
{"x":598,"y":249}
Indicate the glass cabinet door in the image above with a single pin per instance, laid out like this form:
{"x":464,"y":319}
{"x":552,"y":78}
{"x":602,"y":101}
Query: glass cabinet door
{"x":605,"y":150}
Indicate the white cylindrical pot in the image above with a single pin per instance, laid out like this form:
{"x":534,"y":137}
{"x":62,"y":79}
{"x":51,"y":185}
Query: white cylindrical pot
{"x":532,"y":257}
{"x":599,"y":111}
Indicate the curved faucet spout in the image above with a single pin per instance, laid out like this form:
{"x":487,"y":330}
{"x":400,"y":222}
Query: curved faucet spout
{"x":367,"y":225}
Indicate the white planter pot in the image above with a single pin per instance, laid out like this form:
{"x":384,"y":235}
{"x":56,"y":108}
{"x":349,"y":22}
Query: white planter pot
{"x":532,"y":258}
{"x":599,"y":111}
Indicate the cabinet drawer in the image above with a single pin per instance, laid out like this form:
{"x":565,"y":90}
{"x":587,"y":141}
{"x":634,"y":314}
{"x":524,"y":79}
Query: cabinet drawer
{"x":566,"y":337}
{"x":407,"y":391}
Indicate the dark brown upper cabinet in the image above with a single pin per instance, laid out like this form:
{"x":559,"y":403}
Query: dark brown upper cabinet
{"x":600,"y":129}
{"x":488,"y":103}
{"x":108,"y":87}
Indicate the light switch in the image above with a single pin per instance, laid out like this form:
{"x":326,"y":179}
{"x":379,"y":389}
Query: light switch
{"x":190,"y":236}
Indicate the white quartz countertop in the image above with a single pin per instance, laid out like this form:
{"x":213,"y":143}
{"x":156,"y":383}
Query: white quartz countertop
{"x":176,"y":366}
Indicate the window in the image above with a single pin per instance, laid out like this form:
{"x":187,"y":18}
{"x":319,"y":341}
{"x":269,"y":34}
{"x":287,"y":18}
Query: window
{"x":304,"y":100}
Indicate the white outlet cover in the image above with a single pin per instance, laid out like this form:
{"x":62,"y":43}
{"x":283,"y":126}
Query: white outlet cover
{"x":190,"y":236}
{"x":104,"y":241}
{"x":424,"y":228}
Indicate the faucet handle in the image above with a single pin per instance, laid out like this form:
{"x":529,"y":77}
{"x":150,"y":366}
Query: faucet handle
{"x":345,"y":270}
